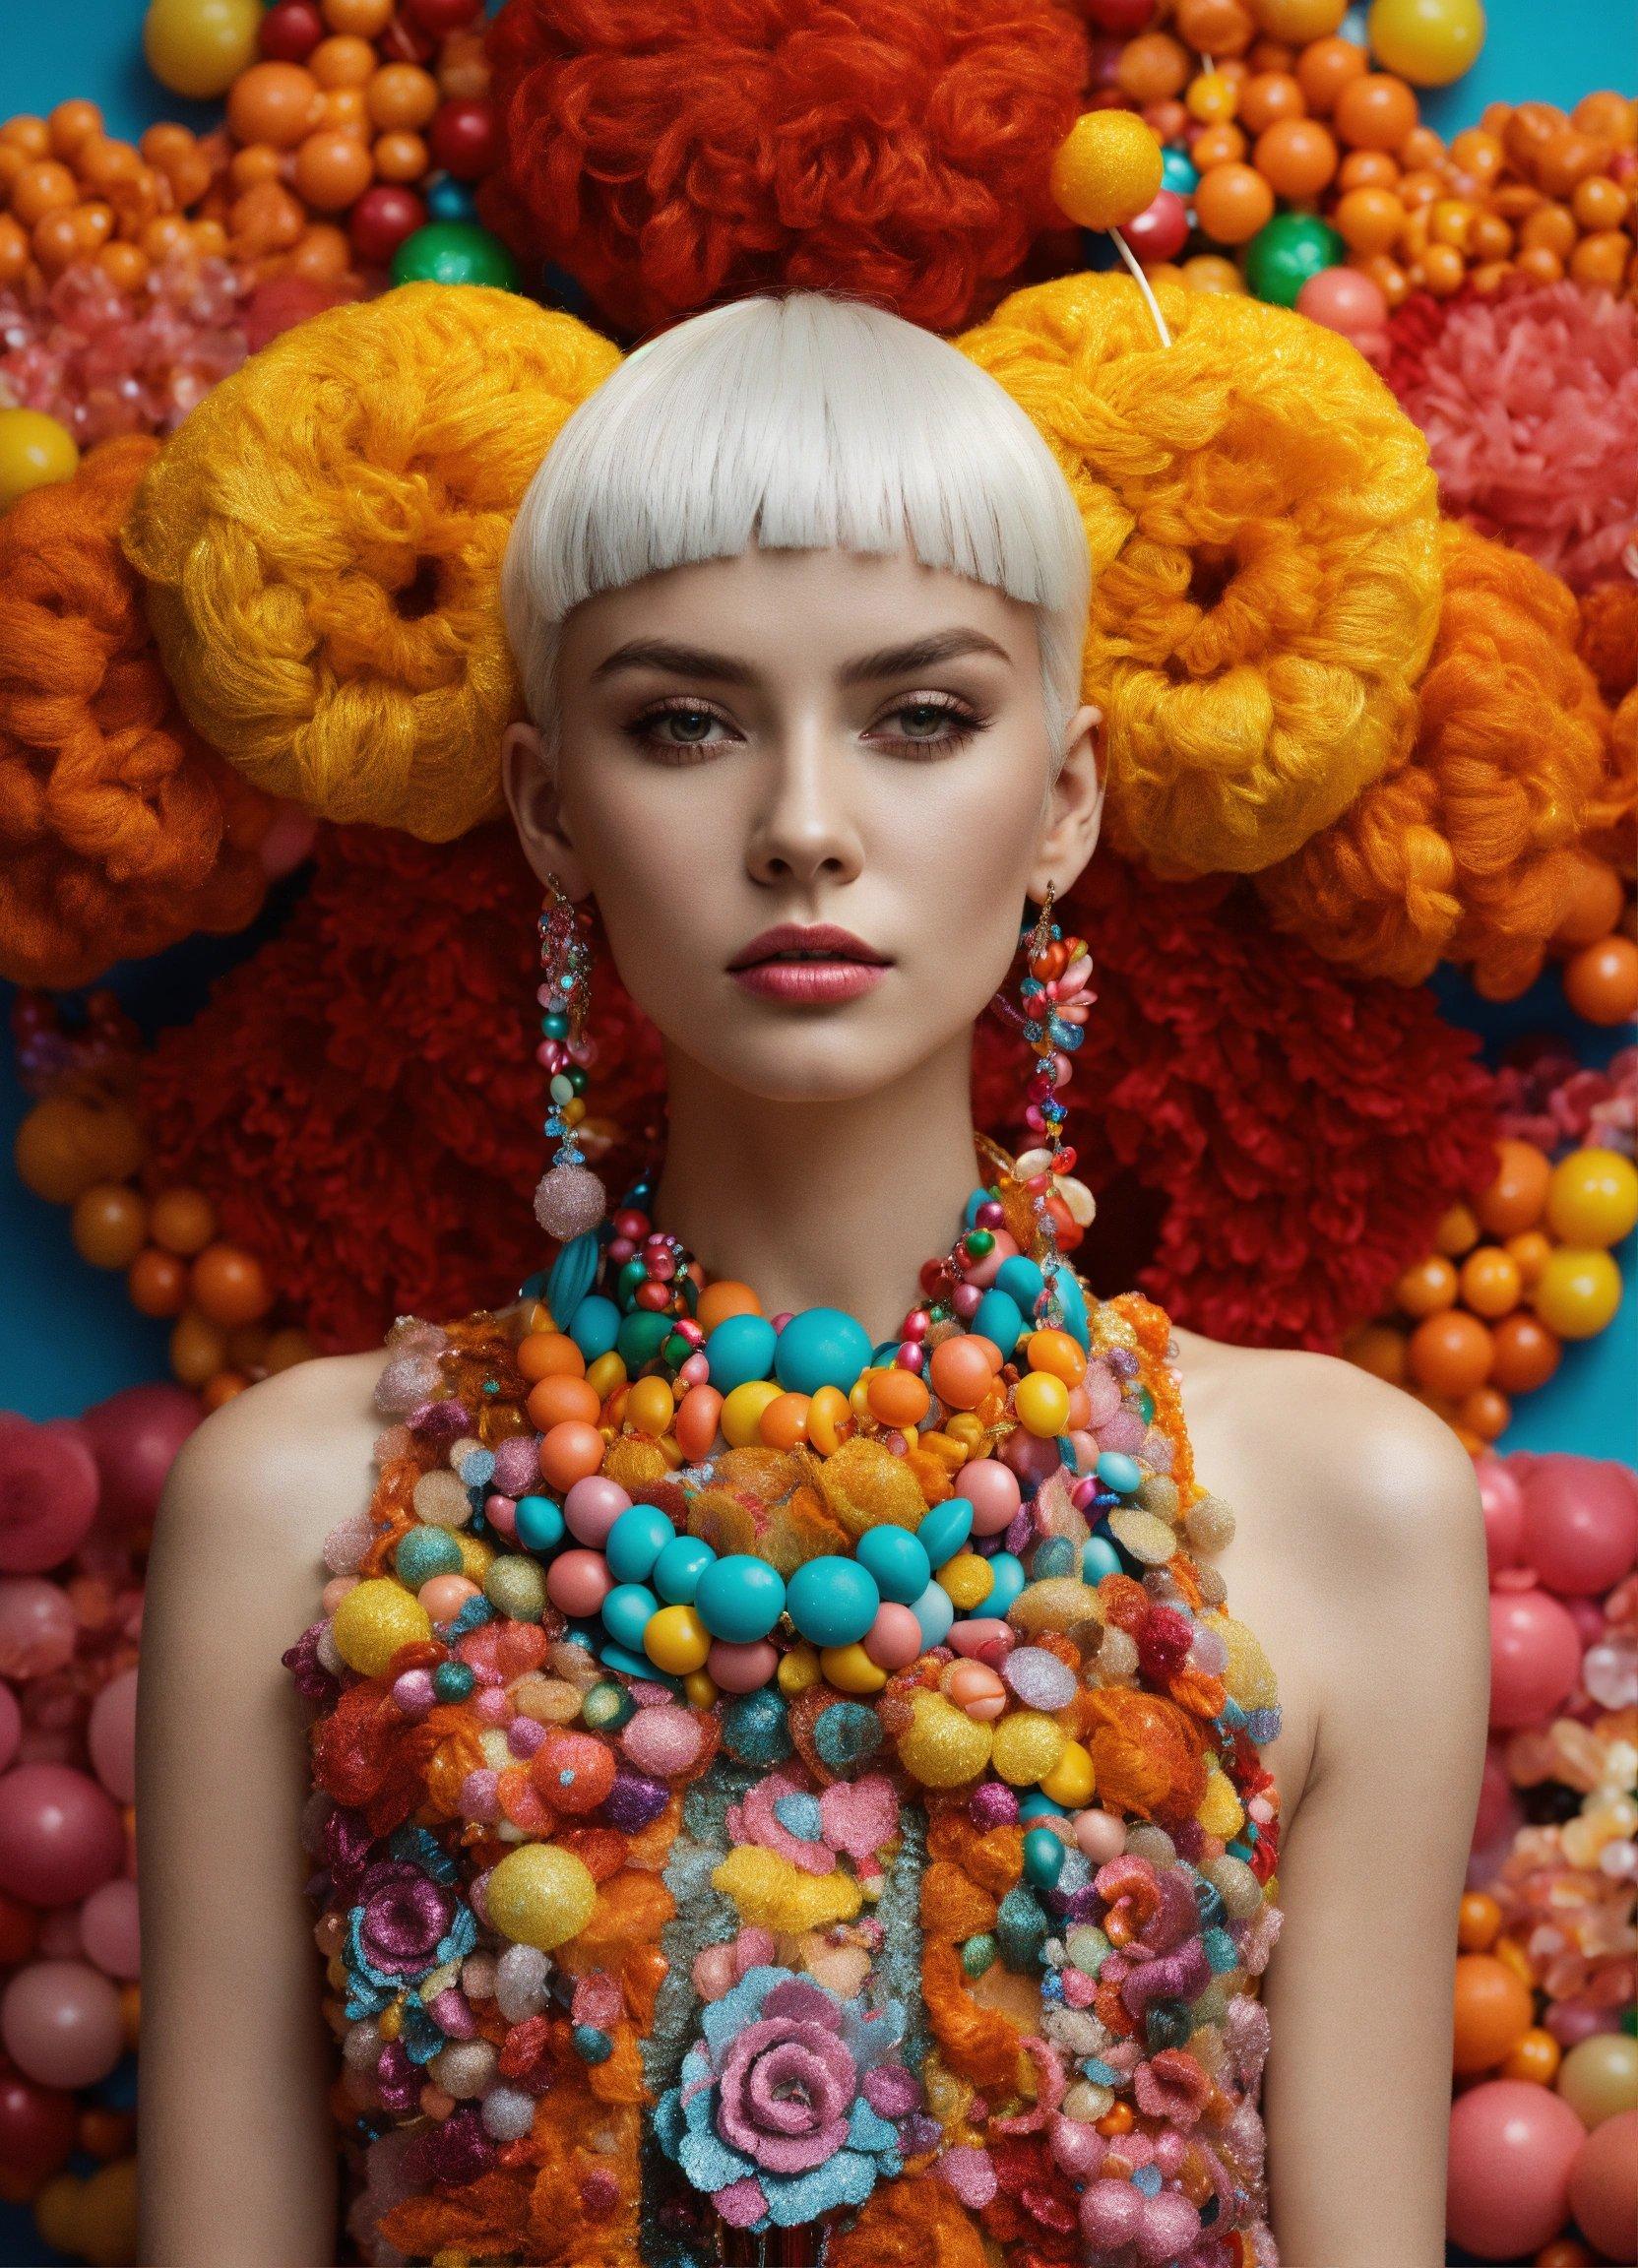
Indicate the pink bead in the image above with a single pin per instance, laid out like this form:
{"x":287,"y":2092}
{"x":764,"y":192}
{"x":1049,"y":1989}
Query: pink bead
{"x":1102,"y":1835}
{"x":714,"y":1972}
{"x":413,"y":1692}
{"x":910,"y":1356}
{"x":1030,"y":1455}
{"x":578,"y":1583}
{"x":992,"y":1214}
{"x":971,"y":1638}
{"x":1102,"y":1394}
{"x":916,"y":1323}
{"x":964,"y":1300}
{"x":1344,"y":299}
{"x":975,"y":1687}
{"x":591,"y":1507}
{"x":893,"y":1640}
{"x":334,"y":1591}
{"x":491,"y":1705}
{"x":696,"y":1371}
{"x":445,"y":1595}
{"x":740,"y":1668}
{"x":993,"y":1493}
{"x":501,"y":1512}
{"x":984,"y":1272}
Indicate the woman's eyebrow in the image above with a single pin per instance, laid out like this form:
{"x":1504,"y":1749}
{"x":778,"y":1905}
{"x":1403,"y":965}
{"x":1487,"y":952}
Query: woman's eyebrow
{"x":887,"y":661}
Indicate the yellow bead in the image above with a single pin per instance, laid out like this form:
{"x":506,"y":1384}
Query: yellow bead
{"x":477,"y":1555}
{"x":969,"y":1579}
{"x":1071,"y":1779}
{"x":541,"y":1894}
{"x":741,"y":1418}
{"x":1221,"y":1812}
{"x":942,"y":1746}
{"x":389,"y":2022}
{"x":1028,"y":1745}
{"x":373,"y":1621}
{"x":1108,"y":169}
{"x":1577,"y":1292}
{"x":851,"y":1670}
{"x":799,"y":1668}
{"x":701,"y":1688}
{"x":858,"y":1400}
{"x":827,"y":1416}
{"x":1040,"y":1400}
{"x":35,"y":451}
{"x":651,"y":1406}
{"x":677,"y":1641}
{"x":1212,"y":99}
{"x":1593,"y":1198}
{"x":606,"y":1375}
{"x":672,"y":1449}
{"x":951,"y":1453}
{"x":966,"y":1428}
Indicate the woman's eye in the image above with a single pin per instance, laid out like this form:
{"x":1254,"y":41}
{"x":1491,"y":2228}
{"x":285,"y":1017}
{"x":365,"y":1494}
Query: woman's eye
{"x":934,"y":723}
{"x":675,"y":729}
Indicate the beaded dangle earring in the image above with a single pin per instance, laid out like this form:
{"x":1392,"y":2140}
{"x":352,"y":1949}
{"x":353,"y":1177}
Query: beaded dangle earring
{"x":1055,"y":995}
{"x":569,"y":1199}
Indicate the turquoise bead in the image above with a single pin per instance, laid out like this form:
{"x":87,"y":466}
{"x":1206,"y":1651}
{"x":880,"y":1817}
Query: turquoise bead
{"x":756,"y":1727}
{"x":1043,"y":1856}
{"x":833,"y":1602}
{"x":820,"y":1347}
{"x":1009,"y":1579}
{"x":453,"y":1680}
{"x":1035,"y":1806}
{"x":631,"y":1664}
{"x":677,"y":1573}
{"x":1124,"y":1474}
{"x":635,"y":1543}
{"x":595,"y":1326}
{"x":897,"y":1560}
{"x":969,"y":1210}
{"x":998,"y":1318}
{"x":606,"y":1707}
{"x":1073,"y":1300}
{"x":739,"y":1599}
{"x":1021,"y":1279}
{"x":1177,"y":172}
{"x":627,"y":1611}
{"x":539,"y":1522}
{"x":424,"y":1552}
{"x":1099,"y":1558}
{"x":977,"y":1954}
{"x":640,"y":1337}
{"x":944,"y":1528}
{"x":740,"y":1348}
{"x":935,"y":1611}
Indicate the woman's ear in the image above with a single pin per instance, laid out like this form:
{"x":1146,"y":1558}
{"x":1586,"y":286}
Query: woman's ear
{"x":530,"y":778}
{"x":1074,"y":807}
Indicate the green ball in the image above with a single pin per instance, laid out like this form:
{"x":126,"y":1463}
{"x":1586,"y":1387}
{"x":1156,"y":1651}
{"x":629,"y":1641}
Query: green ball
{"x":1283,"y":255}
{"x":454,"y":252}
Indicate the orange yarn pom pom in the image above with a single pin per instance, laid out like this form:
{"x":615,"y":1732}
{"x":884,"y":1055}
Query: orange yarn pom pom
{"x":119,"y":832}
{"x":1264,"y":533}
{"x":1466,"y":852}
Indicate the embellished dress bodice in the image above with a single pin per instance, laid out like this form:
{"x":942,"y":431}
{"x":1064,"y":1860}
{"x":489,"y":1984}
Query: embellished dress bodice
{"x":835,"y":1837}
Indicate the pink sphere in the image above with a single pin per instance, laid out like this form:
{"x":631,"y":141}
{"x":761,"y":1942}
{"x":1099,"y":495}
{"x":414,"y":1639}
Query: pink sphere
{"x":1604,"y":2187}
{"x":1031,"y":1456}
{"x":578,"y":1583}
{"x":984,"y":1272}
{"x":60,"y":2023}
{"x":111,"y":1737}
{"x":591,"y":1507}
{"x":991,"y":1489}
{"x":48,"y":1490}
{"x":110,"y":1931}
{"x":1343,"y":301}
{"x":1512,"y":2144}
{"x":1580,"y":1521}
{"x":60,"y":1834}
{"x":743,"y":1669}
{"x":1535,"y":1657}
{"x":37,"y":1628}
{"x":1161,"y":231}
{"x":134,"y":1436}
{"x":893,"y":1640}
{"x":1503,"y":1505}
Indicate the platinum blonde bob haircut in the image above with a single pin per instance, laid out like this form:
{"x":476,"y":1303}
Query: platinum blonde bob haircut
{"x":805,"y":422}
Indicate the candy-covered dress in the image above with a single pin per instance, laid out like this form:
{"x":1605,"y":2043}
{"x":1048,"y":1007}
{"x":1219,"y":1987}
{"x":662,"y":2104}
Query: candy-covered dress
{"x":924,"y":1929}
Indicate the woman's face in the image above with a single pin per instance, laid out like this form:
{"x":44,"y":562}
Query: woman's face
{"x":793,"y":740}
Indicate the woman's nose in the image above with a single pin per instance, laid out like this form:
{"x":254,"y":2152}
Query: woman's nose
{"x":804,"y":826}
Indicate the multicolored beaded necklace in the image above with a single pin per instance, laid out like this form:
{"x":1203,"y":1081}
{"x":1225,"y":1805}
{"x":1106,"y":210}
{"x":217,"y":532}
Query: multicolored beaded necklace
{"x":779,"y":1797}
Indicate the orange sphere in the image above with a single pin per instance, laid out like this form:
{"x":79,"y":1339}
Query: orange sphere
{"x":1528,"y":1252}
{"x":1215,"y":28}
{"x":561,"y":1400}
{"x":1491,"y":1283}
{"x":57,"y":240}
{"x":1298,"y":156}
{"x":1380,"y":1349}
{"x":1567,"y":161}
{"x":1526,"y":1353}
{"x":1300,"y":21}
{"x":165,"y":143}
{"x":1151,"y":67}
{"x":166,"y":233}
{"x":1212,"y":99}
{"x":1222,"y":144}
{"x":402,"y":96}
{"x":266,"y":218}
{"x":230,"y":1286}
{"x":1457,"y":1233}
{"x":1493,"y":2013}
{"x":959,"y":1373}
{"x":343,"y":62}
{"x":1550,"y":227}
{"x":46,"y":186}
{"x":109,"y":1225}
{"x":1600,"y":203}
{"x":1608,"y":116}
{"x":285,"y":1349}
{"x":222,"y":1387}
{"x":1427,"y":1287}
{"x":345,"y":114}
{"x":1489,"y":238}
{"x":725,"y":1297}
{"x":1477,"y":1921}
{"x":156,"y":1283}
{"x":14,"y":251}
{"x":1484,"y":1412}
{"x":1207,"y":272}
{"x":1477,"y":153}
{"x":332,"y":169}
{"x":1515,"y":1199}
{"x":1601,"y":258}
{"x":73,"y":123}
{"x":1325,"y":69}
{"x":400,"y":157}
{"x":1368,"y":169}
{"x":1375,"y":112}
{"x":1450,"y":1354}
{"x":1231,"y":203}
{"x":1565,"y":2252}
{"x":197,"y":1348}
{"x":322,"y":253}
{"x":1594,"y":899}
{"x":27,"y":133}
{"x":569,"y":1452}
{"x":1442,"y":270}
{"x":1539,"y":264}
{"x":276,"y":102}
{"x":256,"y":162}
{"x":1269,"y":97}
{"x":182,"y":1221}
{"x":784,"y":1420}
{"x":898,"y":1398}
{"x":363,"y":19}
{"x":1535,"y":2058}
{"x":549,"y":1354}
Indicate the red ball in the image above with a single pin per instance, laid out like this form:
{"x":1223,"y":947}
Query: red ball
{"x":405,"y":43}
{"x":381,"y":221}
{"x":290,"y":31}
{"x":465,"y":139}
{"x":1161,"y":231}
{"x":37,"y":2126}
{"x":441,"y":17}
{"x":1121,"y":18}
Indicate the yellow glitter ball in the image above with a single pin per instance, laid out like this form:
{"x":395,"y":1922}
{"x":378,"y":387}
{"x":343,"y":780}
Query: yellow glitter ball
{"x":851,"y":1670}
{"x":1145,"y":1534}
{"x":1071,"y":1779}
{"x":374,"y":1620}
{"x":701,"y":1688}
{"x":969,"y":1579}
{"x":1108,"y":169}
{"x":798,"y":1670}
{"x":773,"y":1894}
{"x":541,"y":1895}
{"x":1249,"y":1674}
{"x":476,"y":1557}
{"x":1040,"y":1399}
{"x":1219,"y":1811}
{"x":942,"y":1746}
{"x":741,"y":1414}
{"x":677,"y":1640}
{"x":1028,"y":1745}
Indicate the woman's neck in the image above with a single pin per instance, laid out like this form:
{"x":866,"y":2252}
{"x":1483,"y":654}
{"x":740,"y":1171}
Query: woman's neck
{"x":821,"y":1204}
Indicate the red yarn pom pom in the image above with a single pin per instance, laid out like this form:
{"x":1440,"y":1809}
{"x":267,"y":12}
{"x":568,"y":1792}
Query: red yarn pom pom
{"x":679,"y":153}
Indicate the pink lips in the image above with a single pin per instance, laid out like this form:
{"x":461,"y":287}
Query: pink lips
{"x":815,"y":965}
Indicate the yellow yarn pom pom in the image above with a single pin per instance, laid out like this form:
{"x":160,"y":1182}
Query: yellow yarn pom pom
{"x":1028,"y":1747}
{"x":1263,"y":524}
{"x":541,"y":1895}
{"x":373,"y":1621}
{"x":321,"y":541}
{"x":1108,"y":169}
{"x":1221,"y":1811}
{"x":942,"y":1746}
{"x":773,"y":1894}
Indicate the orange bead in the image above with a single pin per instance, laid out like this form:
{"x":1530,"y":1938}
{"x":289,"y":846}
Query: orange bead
{"x":163,"y":144}
{"x":276,"y":102}
{"x":1528,"y":1252}
{"x":783,"y":1423}
{"x":46,"y":186}
{"x":1216,"y":26}
{"x":229,"y":1286}
{"x":1566,"y":160}
{"x":1167,"y":121}
{"x":1518,"y":1195}
{"x":1601,"y":258}
{"x":27,"y":133}
{"x":1419,"y":191}
{"x":1491,"y":1283}
{"x":1271,"y":55}
{"x":164,"y":236}
{"x":1493,"y":2011}
{"x":695,"y":1422}
{"x":561,"y":1400}
{"x":1475,"y":152}
{"x":109,"y":1225}
{"x":1535,"y":2058}
{"x":1484,"y":1411}
{"x":1608,"y":117}
{"x":402,"y":96}
{"x":1451,"y":1352}
{"x":343,"y":62}
{"x":55,"y":241}
{"x":126,"y":265}
{"x":1211,"y":97}
{"x":1298,"y":156}
{"x":1450,"y":221}
{"x":1592,"y":898}
{"x":1325,"y":69}
{"x":257,"y":161}
{"x":266,"y":218}
{"x":1369,"y":220}
{"x":1213,"y":146}
{"x":1478,"y":1920}
{"x":345,"y":114}
{"x":1368,"y":169}
{"x":1552,"y":227}
{"x":1442,"y":270}
{"x":197,"y":1348}
{"x":182,"y":1221}
{"x":1565,"y":2252}
{"x":156,"y":1283}
{"x":1300,"y":21}
{"x":725,"y":1297}
{"x":363,"y":19}
{"x":1375,"y":112}
{"x":1600,"y":203}
{"x":1491,"y":238}
{"x":400,"y":157}
{"x":1151,"y":67}
{"x":222,"y":1387}
{"x":959,"y":1373}
{"x":1421,"y":148}
{"x":1380,"y":1349}
{"x":1207,"y":272}
{"x":14,"y":251}
{"x":898,"y":1398}
{"x":1427,"y":1287}
{"x":1269,"y":97}
{"x":1231,"y":203}
{"x":1526,"y":1353}
{"x":320,"y":252}
{"x":1539,"y":264}
{"x":71,"y":123}
{"x":1600,"y":982}
{"x":549,"y":1354}
{"x":569,"y":1451}
{"x":1457,"y":1233}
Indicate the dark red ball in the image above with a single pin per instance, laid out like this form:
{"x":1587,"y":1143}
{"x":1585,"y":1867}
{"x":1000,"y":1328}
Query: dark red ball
{"x":405,"y":43}
{"x":442,"y":17}
{"x":1161,"y":231}
{"x":37,"y":2126}
{"x":465,"y":139}
{"x":381,"y":221}
{"x":1121,"y":16}
{"x":290,"y":31}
